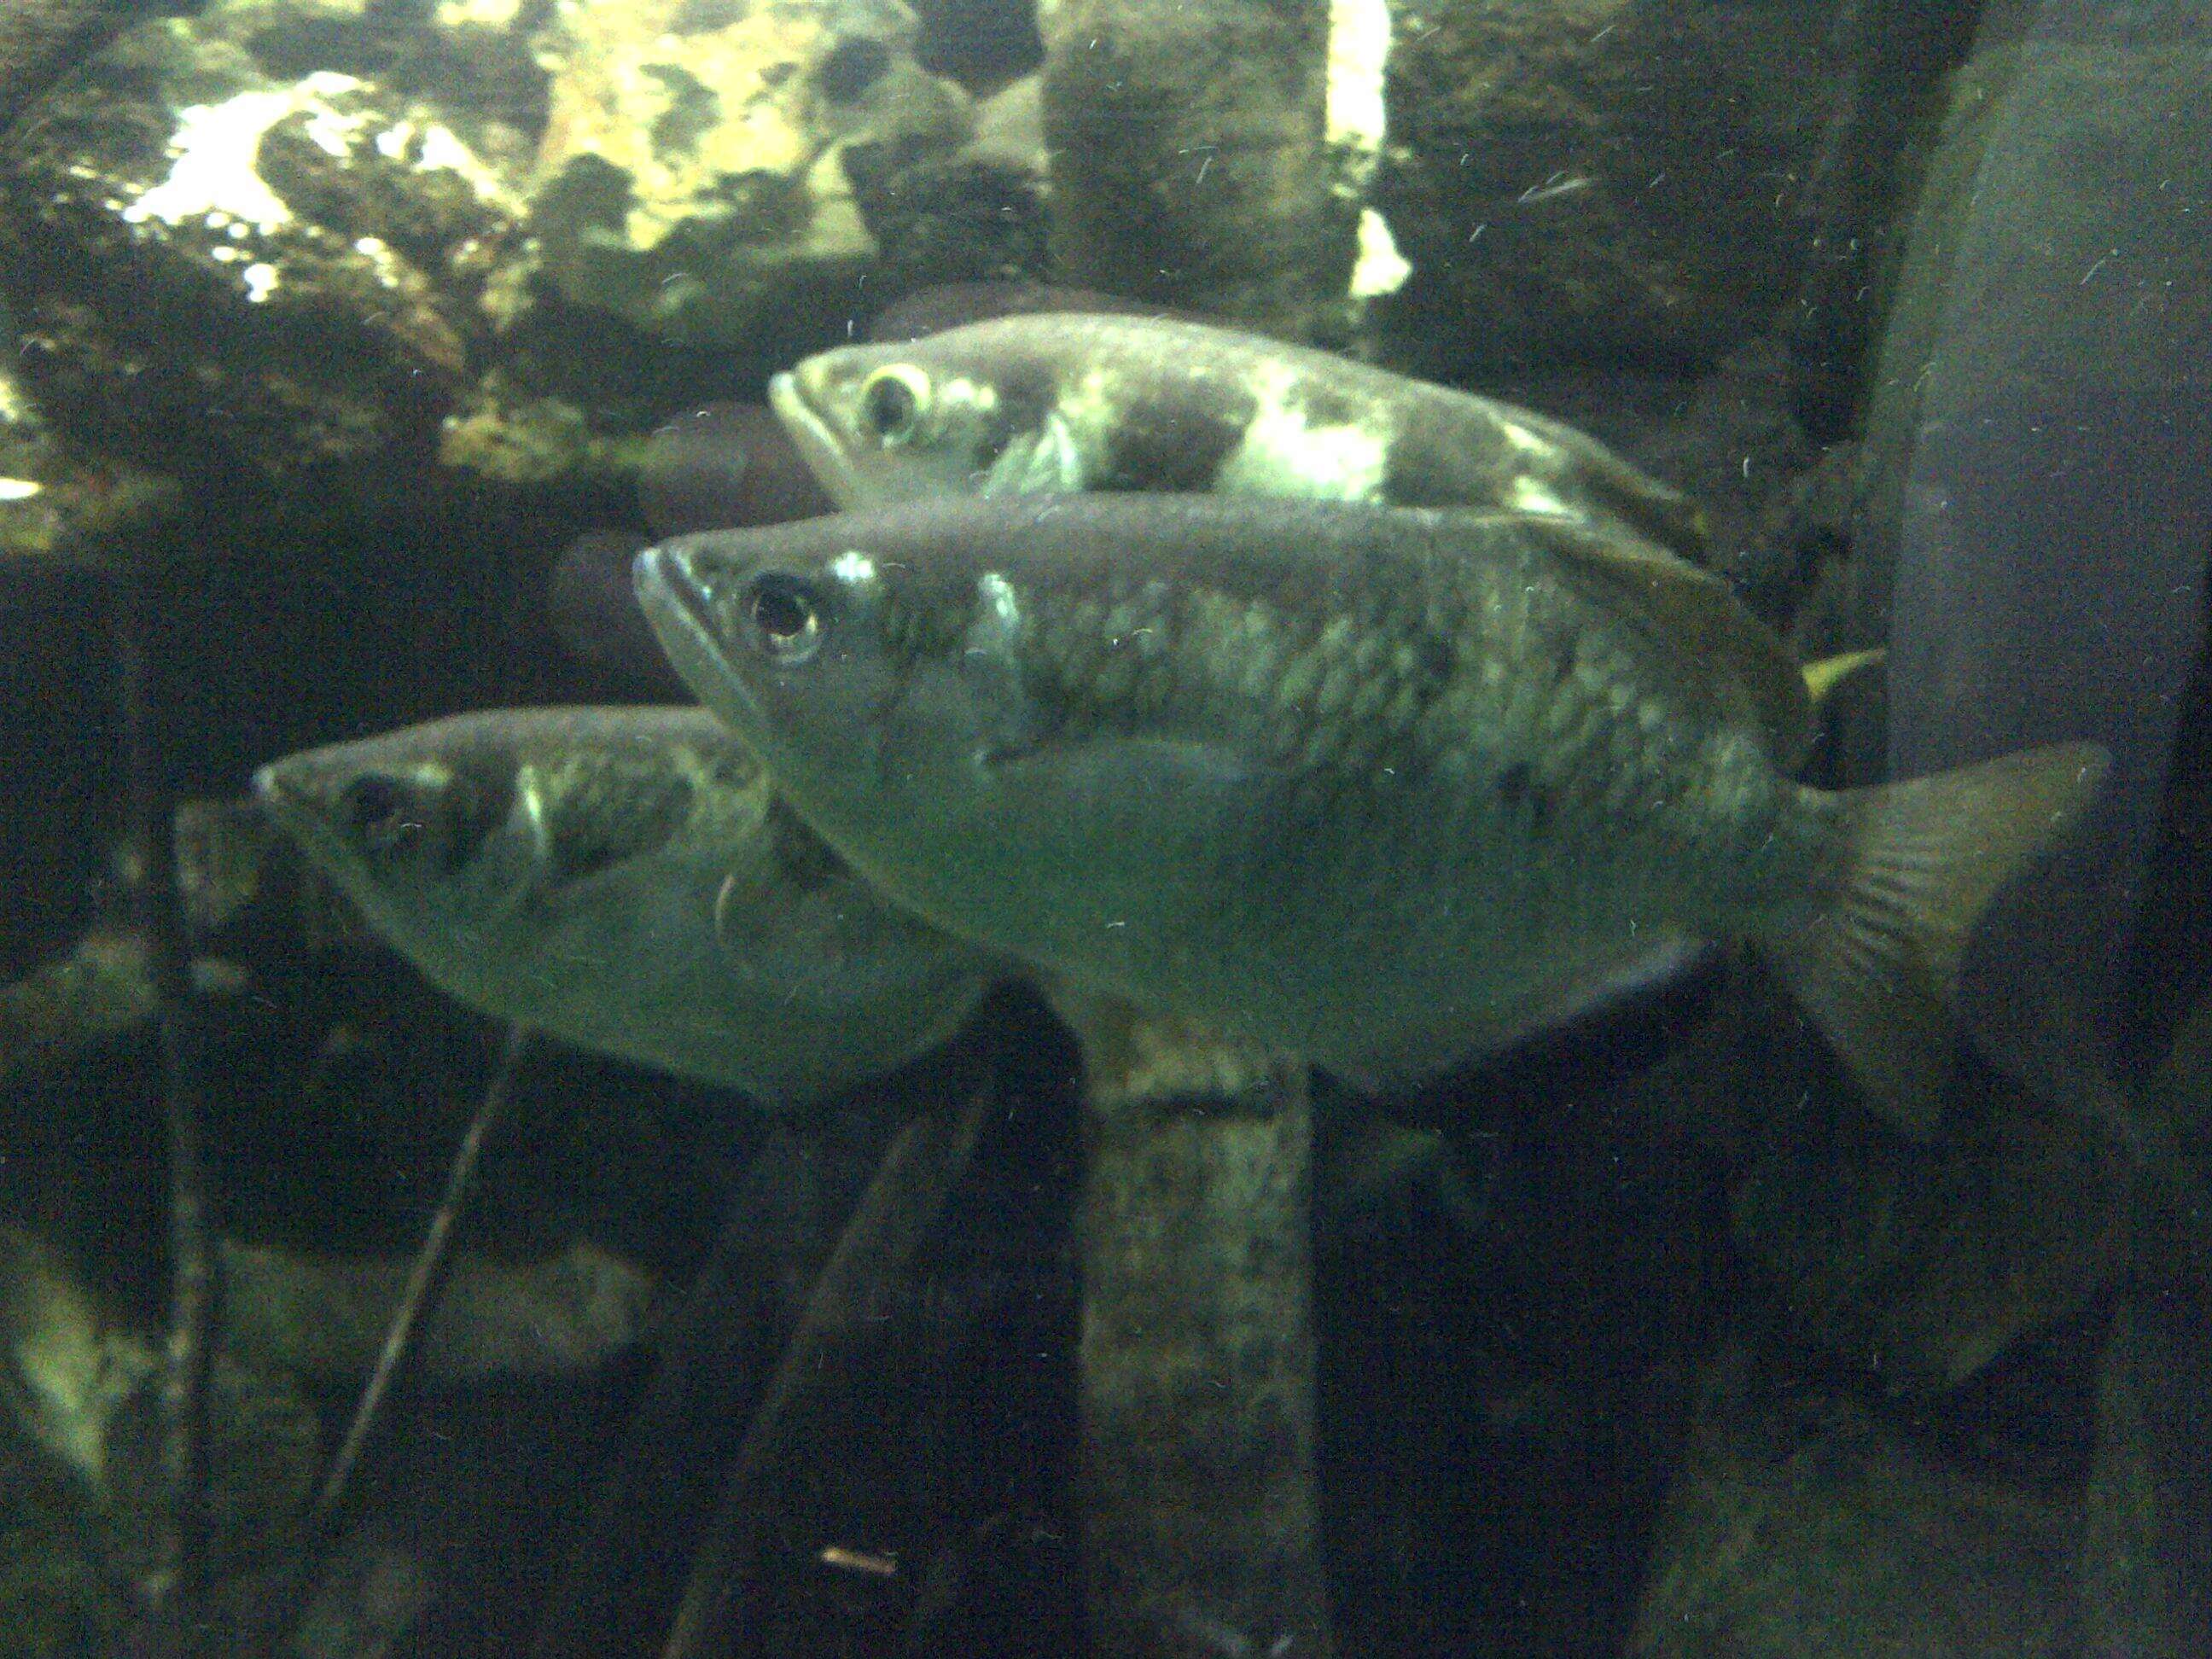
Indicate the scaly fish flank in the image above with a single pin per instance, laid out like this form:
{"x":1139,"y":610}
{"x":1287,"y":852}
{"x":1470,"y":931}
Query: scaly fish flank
{"x":624,"y":879}
{"x":1383,"y":789}
{"x":1070,"y":403}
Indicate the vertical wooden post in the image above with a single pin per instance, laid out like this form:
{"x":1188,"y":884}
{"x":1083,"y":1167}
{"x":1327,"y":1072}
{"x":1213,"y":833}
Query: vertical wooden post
{"x":1197,"y":1349}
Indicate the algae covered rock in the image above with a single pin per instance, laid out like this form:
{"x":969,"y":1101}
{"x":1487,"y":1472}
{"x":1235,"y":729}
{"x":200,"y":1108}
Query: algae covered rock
{"x":84,"y":1388}
{"x":217,"y":267}
{"x":282,"y":237}
{"x":29,"y":524}
{"x":691,"y":177}
{"x":471,"y":58}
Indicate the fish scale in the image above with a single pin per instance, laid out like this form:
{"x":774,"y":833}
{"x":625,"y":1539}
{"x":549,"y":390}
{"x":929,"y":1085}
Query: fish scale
{"x":1259,"y":656}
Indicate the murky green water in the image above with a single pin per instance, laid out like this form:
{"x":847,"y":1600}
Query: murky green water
{"x":1331,"y":1068}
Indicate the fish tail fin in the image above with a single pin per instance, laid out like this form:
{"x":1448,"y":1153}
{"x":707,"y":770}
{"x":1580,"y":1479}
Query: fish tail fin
{"x":1877,"y":966}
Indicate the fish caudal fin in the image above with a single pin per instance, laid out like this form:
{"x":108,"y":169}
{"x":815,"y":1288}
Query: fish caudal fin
{"x":1877,"y":967}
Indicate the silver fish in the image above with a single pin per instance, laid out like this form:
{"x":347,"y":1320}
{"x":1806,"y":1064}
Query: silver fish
{"x":1382,"y":789}
{"x":623,"y":880}
{"x":1067,"y":403}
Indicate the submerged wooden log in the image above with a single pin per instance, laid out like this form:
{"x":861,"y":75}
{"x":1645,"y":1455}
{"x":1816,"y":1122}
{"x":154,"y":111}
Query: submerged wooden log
{"x":1197,"y":1350}
{"x":830,"y":1349}
{"x":1190,"y":161}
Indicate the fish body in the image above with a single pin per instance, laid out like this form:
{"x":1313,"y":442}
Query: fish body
{"x":1067,"y":403}
{"x":624,"y":879}
{"x":1382,"y":789}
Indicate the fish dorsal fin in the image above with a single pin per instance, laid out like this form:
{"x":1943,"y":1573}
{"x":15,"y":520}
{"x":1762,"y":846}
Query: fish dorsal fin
{"x":1695,"y":616}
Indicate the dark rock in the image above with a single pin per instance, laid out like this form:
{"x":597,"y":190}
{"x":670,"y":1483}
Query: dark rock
{"x":1897,"y":53}
{"x":980,"y":43}
{"x":1600,"y":183}
{"x":958,"y":219}
{"x":1803,"y":1522}
{"x":1188,"y":162}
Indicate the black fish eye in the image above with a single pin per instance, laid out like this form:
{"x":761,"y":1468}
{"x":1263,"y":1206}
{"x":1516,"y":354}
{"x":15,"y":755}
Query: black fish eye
{"x":368,"y":803}
{"x":382,"y":816}
{"x":891,"y":404}
{"x":785,"y":615}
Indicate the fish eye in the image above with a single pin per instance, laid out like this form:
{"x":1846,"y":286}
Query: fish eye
{"x":891,"y":402}
{"x":368,"y":801}
{"x":380,"y":813}
{"x":785,"y":615}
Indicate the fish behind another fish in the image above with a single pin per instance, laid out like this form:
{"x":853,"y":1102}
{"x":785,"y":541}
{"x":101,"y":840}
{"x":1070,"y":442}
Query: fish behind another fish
{"x":624,"y":879}
{"x":1384,"y":789}
{"x":1067,"y":403}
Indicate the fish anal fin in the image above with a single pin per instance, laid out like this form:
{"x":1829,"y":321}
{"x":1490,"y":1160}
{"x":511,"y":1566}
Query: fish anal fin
{"x":1412,"y":1056}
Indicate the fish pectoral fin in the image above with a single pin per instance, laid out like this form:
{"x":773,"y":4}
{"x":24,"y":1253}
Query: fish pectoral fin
{"x":1877,"y":967}
{"x":1700,"y":621}
{"x":738,"y":904}
{"x":1044,"y":463}
{"x":1128,"y":795}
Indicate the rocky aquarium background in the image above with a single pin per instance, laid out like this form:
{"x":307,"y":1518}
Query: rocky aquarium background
{"x":336,"y":322}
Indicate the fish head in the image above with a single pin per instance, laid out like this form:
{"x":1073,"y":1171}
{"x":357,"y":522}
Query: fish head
{"x":962,"y":413}
{"x":873,"y":660}
{"x":624,"y":879}
{"x":976,"y":704}
{"x":476,"y":840}
{"x":411,"y":831}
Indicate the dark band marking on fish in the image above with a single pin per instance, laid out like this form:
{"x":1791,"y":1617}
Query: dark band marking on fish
{"x":1147,"y":453}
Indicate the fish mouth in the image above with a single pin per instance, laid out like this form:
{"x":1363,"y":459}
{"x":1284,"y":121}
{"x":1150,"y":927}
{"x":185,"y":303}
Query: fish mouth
{"x":281,"y":802}
{"x":681,"y":612}
{"x":292,"y":805}
{"x":816,"y":439}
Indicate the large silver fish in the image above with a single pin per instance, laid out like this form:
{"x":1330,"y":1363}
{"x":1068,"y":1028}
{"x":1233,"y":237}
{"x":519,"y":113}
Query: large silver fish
{"x":1384,"y":789}
{"x":623,"y":880}
{"x":1065,"y":402}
